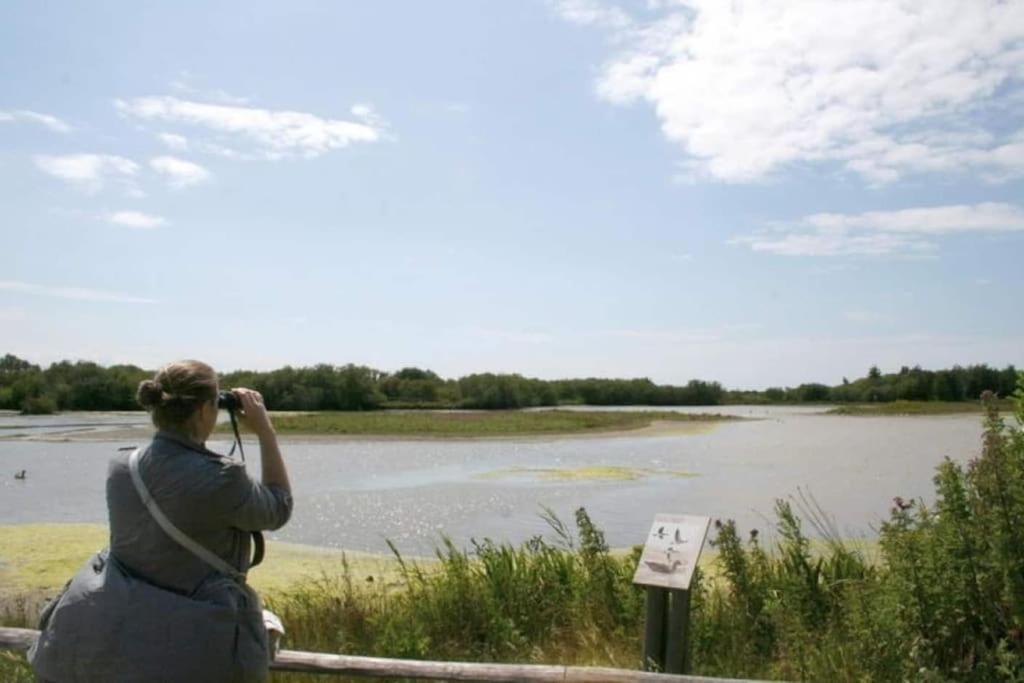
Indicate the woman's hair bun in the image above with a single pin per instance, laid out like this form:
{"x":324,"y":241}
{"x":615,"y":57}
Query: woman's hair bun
{"x":176,"y":392}
{"x":150,"y":393}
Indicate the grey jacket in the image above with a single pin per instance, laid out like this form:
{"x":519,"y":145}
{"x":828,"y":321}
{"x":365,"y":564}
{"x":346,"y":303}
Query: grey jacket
{"x":206,"y":495}
{"x":119,"y":618}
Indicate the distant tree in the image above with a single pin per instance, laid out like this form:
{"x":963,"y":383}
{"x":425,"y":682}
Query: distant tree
{"x":412,"y":385}
{"x":39,"y":405}
{"x":946,"y":386}
{"x":11,"y":365}
{"x":1007,"y":381}
{"x":19,"y":380}
{"x":812,"y":392}
{"x":416,"y":374}
{"x":979,"y":379}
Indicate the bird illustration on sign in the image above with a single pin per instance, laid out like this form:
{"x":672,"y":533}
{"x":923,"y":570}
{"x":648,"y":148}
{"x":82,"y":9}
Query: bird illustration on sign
{"x":672,"y":550}
{"x":669,"y":565}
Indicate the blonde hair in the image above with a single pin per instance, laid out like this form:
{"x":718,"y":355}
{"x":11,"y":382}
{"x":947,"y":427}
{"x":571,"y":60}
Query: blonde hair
{"x":176,"y":392}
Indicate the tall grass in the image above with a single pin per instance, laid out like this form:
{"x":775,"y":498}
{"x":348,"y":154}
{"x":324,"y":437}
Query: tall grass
{"x":567,"y":601}
{"x":15,"y":611}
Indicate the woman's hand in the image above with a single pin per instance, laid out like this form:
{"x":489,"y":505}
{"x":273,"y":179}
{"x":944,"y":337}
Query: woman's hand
{"x":253,"y":412}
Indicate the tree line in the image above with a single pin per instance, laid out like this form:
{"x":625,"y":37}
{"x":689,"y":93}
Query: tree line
{"x":83,"y":385}
{"x":959,"y":383}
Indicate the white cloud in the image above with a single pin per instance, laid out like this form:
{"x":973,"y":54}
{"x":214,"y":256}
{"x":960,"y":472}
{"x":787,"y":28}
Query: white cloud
{"x":173,"y":141}
{"x":276,"y":134}
{"x":179,"y":172}
{"x":362,"y":111}
{"x":932,"y":220}
{"x":88,"y":171}
{"x":819,"y":244}
{"x":135,"y":219}
{"x":51,"y":122}
{"x":368,"y":115}
{"x":882,"y":88}
{"x":592,"y":13}
{"x":76,"y":293}
{"x":906,"y":232}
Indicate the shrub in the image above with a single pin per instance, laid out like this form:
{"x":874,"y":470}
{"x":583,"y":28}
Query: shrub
{"x":38,"y":405}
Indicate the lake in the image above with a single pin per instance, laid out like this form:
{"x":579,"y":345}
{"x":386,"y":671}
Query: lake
{"x":356,"y":493}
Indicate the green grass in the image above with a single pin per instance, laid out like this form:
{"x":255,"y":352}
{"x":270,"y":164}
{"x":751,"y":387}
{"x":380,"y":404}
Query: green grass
{"x":496,"y":423}
{"x":36,"y":560}
{"x":916,"y":408}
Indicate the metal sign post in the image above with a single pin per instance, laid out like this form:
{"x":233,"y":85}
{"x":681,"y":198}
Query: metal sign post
{"x":666,"y":569}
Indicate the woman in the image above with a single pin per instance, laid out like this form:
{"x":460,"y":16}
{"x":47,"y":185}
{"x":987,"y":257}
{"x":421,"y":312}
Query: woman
{"x":151,"y":608}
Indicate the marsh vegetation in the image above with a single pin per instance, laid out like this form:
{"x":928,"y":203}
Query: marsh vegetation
{"x":918,"y":408}
{"x":476,"y":424}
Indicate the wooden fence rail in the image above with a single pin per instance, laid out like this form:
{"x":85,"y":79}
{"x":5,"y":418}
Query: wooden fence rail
{"x":377,"y":667}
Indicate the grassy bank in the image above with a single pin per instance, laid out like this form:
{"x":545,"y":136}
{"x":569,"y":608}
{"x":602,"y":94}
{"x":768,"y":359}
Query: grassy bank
{"x":918,"y":408}
{"x":498,"y":423}
{"x":36,"y":560}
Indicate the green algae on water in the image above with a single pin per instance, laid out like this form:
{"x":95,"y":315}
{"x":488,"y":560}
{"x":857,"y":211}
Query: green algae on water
{"x":587,"y":473}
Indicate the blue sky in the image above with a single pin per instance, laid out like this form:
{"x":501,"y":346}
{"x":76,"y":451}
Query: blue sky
{"x":758,"y":193}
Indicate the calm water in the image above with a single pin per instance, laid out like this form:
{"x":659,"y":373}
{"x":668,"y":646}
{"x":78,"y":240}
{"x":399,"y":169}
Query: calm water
{"x":355,"y":494}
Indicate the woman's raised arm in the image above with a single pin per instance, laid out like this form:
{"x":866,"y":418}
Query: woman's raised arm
{"x":254,"y":414}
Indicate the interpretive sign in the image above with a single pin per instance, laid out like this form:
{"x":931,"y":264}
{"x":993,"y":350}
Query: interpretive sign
{"x":671,"y":551}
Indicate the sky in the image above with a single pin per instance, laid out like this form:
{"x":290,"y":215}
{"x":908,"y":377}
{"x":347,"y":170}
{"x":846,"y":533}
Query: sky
{"x":758,"y":193}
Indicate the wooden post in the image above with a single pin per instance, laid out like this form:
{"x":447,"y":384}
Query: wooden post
{"x":687,"y":640}
{"x":677,"y":638}
{"x":654,"y":629}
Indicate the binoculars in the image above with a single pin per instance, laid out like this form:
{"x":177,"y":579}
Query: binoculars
{"x":227,"y":400}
